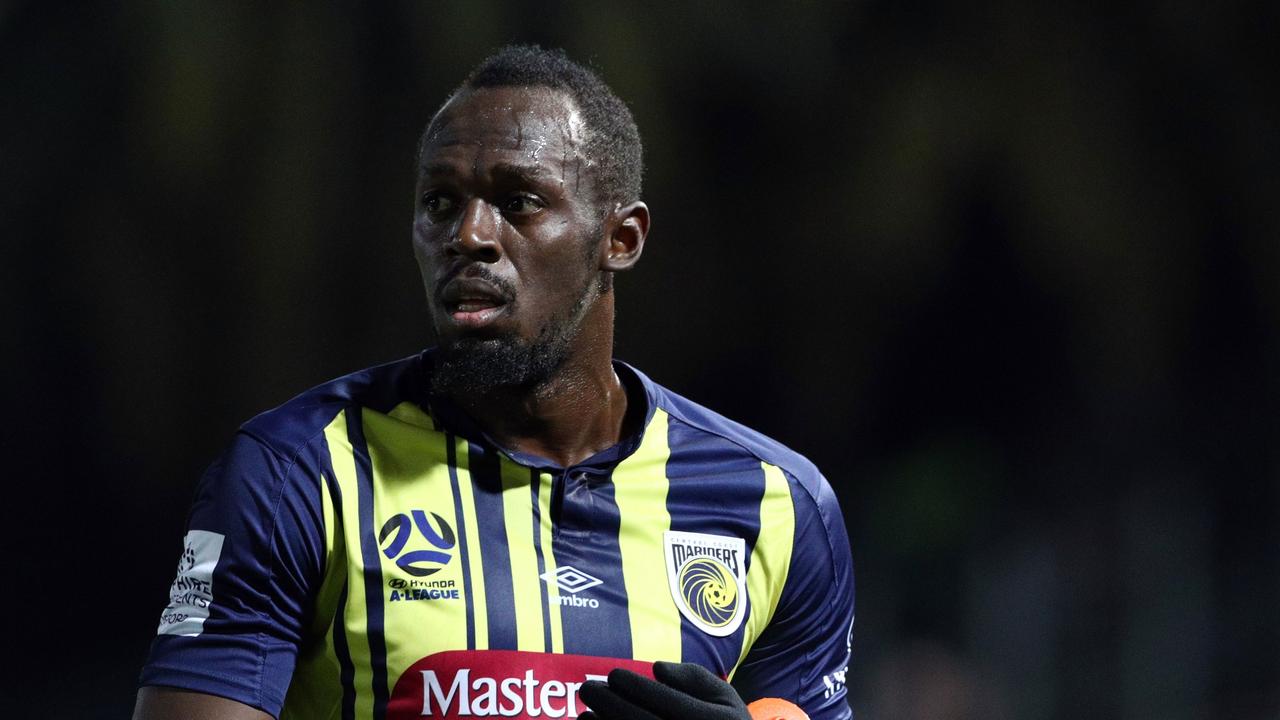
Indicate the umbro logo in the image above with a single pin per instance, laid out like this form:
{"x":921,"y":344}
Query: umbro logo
{"x":571,"y":581}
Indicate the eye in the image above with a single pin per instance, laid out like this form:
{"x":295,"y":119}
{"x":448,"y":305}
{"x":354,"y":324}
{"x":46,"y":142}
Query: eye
{"x":437,"y":204}
{"x":522,"y":204}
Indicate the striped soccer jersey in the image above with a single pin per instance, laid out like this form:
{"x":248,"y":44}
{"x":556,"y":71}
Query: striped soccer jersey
{"x":363,"y":552}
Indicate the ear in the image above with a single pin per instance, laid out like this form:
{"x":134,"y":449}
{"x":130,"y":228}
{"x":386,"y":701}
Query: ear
{"x":628,"y":226}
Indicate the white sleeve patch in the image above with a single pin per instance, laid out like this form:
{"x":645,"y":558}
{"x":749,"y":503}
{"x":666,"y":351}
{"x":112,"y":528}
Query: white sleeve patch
{"x":834,"y":682}
{"x":192,"y":591}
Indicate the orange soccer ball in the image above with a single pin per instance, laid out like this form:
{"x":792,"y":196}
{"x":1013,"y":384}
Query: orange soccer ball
{"x":775,"y":709}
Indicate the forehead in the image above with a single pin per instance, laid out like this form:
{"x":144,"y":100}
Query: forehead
{"x":538,"y":126}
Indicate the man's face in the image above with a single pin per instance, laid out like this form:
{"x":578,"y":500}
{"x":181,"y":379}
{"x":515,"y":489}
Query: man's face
{"x":507,"y":235}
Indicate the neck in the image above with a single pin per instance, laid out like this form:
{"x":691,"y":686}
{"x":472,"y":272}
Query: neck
{"x":575,"y":414}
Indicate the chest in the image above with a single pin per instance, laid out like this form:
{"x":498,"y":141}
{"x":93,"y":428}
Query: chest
{"x":457,"y":573}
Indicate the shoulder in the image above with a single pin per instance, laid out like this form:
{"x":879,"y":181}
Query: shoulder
{"x":292,"y":426}
{"x":820,"y":539}
{"x":274,"y":469}
{"x":802,"y":474}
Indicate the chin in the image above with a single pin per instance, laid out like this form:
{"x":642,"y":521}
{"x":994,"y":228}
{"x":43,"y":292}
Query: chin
{"x":470,"y":365}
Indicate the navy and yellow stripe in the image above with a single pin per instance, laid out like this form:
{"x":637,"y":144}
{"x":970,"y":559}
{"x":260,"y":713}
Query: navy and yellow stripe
{"x":487,"y":495}
{"x":640,"y":490}
{"x":370,"y":560}
{"x":586,"y":538}
{"x":715,"y":491}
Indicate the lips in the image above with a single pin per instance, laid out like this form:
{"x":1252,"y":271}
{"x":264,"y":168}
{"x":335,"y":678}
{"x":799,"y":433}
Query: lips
{"x":471,"y":302}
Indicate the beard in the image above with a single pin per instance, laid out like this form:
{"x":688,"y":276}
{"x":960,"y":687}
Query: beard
{"x":470,"y":366}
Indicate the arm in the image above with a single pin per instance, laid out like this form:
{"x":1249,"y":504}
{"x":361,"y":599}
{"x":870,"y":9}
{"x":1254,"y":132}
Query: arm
{"x":162,"y":703}
{"x":251,"y":563}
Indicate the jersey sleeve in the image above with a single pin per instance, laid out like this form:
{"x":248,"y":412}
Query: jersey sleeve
{"x":252,"y":556}
{"x":803,"y":654}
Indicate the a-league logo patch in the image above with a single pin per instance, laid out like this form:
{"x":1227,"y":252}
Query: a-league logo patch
{"x":707,"y":575}
{"x":398,"y":530}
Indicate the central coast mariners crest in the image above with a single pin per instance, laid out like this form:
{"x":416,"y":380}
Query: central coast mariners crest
{"x":707,"y":578}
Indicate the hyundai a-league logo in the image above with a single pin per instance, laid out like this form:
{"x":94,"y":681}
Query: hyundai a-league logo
{"x":411,"y":557}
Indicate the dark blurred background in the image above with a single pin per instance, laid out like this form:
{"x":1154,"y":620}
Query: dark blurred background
{"x":1007,"y":271}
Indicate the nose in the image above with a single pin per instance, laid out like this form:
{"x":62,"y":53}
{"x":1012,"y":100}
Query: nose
{"x":476,"y":234}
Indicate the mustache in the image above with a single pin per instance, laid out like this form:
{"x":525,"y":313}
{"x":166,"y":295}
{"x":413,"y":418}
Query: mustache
{"x":476,"y":272}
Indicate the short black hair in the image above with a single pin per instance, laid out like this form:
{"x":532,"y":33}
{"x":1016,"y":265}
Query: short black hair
{"x":613,"y":140}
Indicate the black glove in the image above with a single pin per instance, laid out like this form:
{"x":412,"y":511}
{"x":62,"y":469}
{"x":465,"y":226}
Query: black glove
{"x":683,"y":691}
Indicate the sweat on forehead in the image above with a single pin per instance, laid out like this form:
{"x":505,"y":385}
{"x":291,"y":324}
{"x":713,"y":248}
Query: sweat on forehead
{"x":517,"y":118}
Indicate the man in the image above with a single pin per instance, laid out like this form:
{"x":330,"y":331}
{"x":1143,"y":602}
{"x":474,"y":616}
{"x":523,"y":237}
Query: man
{"x":512,"y":517}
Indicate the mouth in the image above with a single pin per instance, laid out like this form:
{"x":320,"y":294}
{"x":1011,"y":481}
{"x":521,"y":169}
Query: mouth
{"x":472,"y":303}
{"x":473,"y":313}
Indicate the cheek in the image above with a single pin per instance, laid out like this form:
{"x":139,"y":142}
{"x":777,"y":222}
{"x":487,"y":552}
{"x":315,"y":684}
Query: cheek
{"x":426,"y":248}
{"x":421,"y":234}
{"x":427,"y":254}
{"x":426,"y":262}
{"x":558,"y":277}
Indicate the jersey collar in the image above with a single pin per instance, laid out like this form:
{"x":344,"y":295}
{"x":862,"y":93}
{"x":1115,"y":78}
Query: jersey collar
{"x":451,"y":418}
